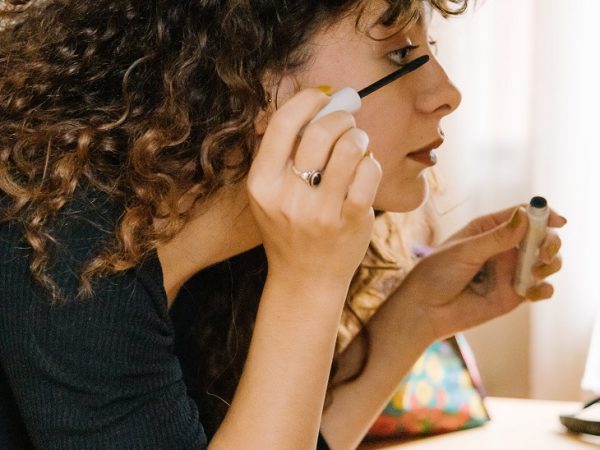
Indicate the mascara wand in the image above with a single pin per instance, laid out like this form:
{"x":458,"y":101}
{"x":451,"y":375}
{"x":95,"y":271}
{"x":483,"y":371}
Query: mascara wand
{"x":408,"y":68}
{"x":348,"y":99}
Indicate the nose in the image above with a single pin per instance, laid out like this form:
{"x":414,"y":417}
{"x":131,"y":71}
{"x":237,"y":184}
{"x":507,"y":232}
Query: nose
{"x":439,"y":95}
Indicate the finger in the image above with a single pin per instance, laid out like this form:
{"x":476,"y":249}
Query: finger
{"x":550,"y":247}
{"x":484,"y":223}
{"x":319,"y":139}
{"x":545,"y":270}
{"x":555,"y":220}
{"x":489,"y":221}
{"x":540,"y":292}
{"x":341,"y":169}
{"x":281,"y":134}
{"x":362,"y":190}
{"x":477,"y":249}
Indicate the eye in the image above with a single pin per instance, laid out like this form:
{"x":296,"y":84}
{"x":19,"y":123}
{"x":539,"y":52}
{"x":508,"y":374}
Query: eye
{"x":400,"y":56}
{"x":433,"y":45}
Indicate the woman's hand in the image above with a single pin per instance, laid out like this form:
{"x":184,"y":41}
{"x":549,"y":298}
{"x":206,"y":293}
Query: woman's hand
{"x":314,"y":238}
{"x":313,"y":232}
{"x":469,"y":279}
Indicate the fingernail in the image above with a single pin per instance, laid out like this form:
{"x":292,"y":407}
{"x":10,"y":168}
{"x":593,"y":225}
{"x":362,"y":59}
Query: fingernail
{"x":535,"y":293}
{"x":363,"y":140}
{"x":552,"y":250}
{"x":372,"y":156}
{"x":515,"y":220}
{"x":325,"y":89}
{"x":544,"y":270}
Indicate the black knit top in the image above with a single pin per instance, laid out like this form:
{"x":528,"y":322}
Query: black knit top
{"x":100,"y":373}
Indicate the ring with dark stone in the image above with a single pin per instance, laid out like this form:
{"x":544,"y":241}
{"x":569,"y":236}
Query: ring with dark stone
{"x":311,"y":177}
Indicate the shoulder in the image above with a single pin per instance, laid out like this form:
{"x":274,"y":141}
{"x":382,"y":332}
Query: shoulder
{"x":101,"y":369}
{"x":82,"y":228}
{"x":127,"y":304}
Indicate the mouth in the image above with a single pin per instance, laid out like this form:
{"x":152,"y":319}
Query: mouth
{"x":426,"y":155}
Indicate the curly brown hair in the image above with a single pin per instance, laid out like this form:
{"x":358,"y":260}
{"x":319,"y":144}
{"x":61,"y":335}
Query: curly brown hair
{"x":151,"y":102}
{"x":144,"y":100}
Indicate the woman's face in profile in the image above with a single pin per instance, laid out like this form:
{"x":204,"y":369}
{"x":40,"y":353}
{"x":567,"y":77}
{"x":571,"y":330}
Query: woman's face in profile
{"x":401,"y":118}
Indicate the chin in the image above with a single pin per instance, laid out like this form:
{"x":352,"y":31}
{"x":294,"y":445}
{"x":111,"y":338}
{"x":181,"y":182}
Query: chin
{"x":404,"y":198}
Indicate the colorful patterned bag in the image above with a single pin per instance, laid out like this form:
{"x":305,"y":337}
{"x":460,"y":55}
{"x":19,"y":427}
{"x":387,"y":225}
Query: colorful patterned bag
{"x":439,"y":394}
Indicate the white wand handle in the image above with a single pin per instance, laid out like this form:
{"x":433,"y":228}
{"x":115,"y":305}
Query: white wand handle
{"x":346,"y":99}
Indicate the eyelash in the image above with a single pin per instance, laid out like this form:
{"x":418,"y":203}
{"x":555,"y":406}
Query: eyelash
{"x":403,"y":52}
{"x":433,"y":45}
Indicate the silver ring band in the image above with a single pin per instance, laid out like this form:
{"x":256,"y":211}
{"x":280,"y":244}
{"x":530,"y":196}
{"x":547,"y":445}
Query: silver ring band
{"x":311,"y":177}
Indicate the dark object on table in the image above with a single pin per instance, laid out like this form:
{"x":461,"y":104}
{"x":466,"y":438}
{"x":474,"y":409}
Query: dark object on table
{"x":577,"y":424}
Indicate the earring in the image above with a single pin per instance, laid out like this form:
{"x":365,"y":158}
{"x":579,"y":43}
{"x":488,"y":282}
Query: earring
{"x":268,"y":102}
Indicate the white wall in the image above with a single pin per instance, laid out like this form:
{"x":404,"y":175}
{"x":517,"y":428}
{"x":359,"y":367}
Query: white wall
{"x":529,"y":72}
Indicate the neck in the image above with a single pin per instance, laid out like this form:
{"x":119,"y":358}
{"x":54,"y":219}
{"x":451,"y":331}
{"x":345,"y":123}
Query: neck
{"x":219,"y":230}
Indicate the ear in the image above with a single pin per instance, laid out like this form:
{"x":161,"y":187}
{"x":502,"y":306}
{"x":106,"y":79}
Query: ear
{"x":264,"y":115}
{"x":270,"y":85}
{"x":278,"y":91}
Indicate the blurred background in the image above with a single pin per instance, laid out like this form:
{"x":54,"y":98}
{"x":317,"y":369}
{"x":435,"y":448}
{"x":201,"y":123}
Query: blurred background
{"x":529,"y":71}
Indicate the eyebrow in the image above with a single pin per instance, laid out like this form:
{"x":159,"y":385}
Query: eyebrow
{"x":395,"y":28}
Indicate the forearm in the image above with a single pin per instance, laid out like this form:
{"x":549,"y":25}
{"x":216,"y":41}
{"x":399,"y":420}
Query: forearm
{"x":397,"y":341}
{"x":279,"y":400}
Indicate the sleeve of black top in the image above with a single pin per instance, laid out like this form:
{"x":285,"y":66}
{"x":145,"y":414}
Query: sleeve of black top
{"x":321,"y":443}
{"x":95,"y":373}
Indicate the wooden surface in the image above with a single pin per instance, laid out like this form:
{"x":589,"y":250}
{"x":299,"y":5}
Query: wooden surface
{"x":516,"y":424}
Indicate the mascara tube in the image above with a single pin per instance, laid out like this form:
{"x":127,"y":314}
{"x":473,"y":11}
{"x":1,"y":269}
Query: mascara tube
{"x":538,"y":213}
{"x":346,"y":99}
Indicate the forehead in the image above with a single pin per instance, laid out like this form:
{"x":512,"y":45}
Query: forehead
{"x":347,"y":53}
{"x":377,"y":20}
{"x":393,"y":13}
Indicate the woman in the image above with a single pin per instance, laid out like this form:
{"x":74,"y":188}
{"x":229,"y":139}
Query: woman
{"x":146,"y":148}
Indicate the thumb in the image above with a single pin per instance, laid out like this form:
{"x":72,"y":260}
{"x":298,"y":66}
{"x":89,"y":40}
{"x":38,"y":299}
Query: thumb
{"x":478,"y":249}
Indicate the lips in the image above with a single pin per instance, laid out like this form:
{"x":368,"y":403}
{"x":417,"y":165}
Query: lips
{"x":426,"y":155}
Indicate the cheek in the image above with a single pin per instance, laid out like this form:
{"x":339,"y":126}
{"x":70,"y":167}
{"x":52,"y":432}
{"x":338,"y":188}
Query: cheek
{"x":388,"y":125}
{"x":392,"y":135}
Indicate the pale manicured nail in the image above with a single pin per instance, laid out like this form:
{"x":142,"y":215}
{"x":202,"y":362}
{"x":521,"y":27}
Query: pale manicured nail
{"x":363,"y":140}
